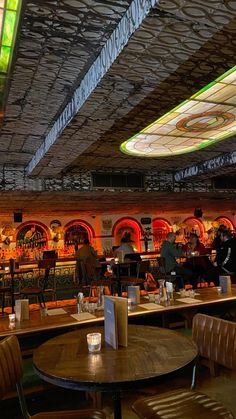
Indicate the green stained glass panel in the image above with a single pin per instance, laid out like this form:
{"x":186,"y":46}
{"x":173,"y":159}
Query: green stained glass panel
{"x":8,"y":28}
{"x":4,"y":59}
{"x":12,"y":4}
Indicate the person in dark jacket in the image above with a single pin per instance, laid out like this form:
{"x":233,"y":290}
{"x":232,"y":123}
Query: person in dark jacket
{"x":170,"y":251}
{"x":225,"y":262}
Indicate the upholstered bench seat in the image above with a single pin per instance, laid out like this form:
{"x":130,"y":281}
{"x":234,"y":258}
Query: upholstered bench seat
{"x":180,"y":404}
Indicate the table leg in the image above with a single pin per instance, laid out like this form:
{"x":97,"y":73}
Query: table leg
{"x":117,"y":405}
{"x":12,"y":294}
{"x":118,"y":284}
{"x":189,"y":315}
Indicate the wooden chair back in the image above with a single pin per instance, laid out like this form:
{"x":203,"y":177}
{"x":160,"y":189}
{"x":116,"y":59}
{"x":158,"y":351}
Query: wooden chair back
{"x":161,"y":265}
{"x":11,"y":369}
{"x":46,"y":265}
{"x":143,"y":267}
{"x":216,"y":339}
{"x":161,"y":262}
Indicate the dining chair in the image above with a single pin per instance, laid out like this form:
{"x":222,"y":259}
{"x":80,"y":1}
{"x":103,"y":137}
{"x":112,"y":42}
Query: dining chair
{"x":216,"y":341}
{"x":4,"y":291}
{"x":46,"y":269}
{"x":163,"y":274}
{"x":11,"y":373}
{"x":139,"y":279}
{"x":6,"y":288}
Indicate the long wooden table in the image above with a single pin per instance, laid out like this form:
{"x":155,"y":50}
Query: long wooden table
{"x":151,"y":352}
{"x":36,"y":324}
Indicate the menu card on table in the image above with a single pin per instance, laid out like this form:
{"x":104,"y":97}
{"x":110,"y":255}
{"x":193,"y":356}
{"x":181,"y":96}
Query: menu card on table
{"x":22,"y":310}
{"x":134,"y":294}
{"x":225,"y":283}
{"x":116,"y":321}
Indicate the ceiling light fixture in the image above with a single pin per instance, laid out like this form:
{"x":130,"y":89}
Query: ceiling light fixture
{"x":9,"y":13}
{"x":205,"y":118}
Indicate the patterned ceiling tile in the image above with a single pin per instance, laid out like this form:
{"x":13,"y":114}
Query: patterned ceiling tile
{"x":54,"y":52}
{"x":130,"y":77}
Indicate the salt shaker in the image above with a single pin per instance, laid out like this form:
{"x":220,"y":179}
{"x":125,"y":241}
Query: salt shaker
{"x":80,"y":302}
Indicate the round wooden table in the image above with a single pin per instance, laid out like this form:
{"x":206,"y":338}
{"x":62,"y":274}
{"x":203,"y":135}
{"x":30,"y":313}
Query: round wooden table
{"x":152,"y":352}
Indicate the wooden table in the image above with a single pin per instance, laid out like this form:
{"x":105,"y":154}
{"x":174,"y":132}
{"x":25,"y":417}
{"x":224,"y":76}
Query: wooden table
{"x":36,"y":325}
{"x":152,"y":352}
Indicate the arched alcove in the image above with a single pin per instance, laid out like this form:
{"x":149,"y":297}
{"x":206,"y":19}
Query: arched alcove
{"x":76,"y":231}
{"x":127,"y":226}
{"x":194,"y":225}
{"x":160,"y":228}
{"x":225,"y":221}
{"x":32,"y":235}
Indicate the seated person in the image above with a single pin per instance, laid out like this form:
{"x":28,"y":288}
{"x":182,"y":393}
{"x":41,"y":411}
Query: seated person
{"x":194,"y":245}
{"x":170,"y":251}
{"x":199,"y":265}
{"x":124,"y":247}
{"x":217,"y":242}
{"x":225,"y":262}
{"x":88,"y":256}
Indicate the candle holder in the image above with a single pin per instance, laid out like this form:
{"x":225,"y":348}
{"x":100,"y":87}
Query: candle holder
{"x":219,"y":290}
{"x":94,"y":342}
{"x":12,"y":319}
{"x":129,"y":304}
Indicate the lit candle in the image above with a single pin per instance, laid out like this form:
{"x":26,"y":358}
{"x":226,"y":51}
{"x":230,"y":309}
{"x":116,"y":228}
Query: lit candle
{"x":129,"y":303}
{"x":12,"y":318}
{"x":94,"y":342}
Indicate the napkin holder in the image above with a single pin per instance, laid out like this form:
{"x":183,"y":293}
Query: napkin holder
{"x":225,"y":283}
{"x":134,"y":294}
{"x":22,"y":310}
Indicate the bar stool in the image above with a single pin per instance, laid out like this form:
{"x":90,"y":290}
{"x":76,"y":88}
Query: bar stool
{"x":4,"y":290}
{"x":142,"y":269}
{"x":46,"y":269}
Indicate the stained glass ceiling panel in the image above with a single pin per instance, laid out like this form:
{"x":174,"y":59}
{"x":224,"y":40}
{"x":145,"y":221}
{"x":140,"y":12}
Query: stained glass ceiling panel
{"x":205,"y":118}
{"x":9,"y":13}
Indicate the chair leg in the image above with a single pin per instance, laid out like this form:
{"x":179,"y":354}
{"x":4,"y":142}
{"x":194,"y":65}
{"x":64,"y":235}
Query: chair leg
{"x":43,"y":301}
{"x":3,"y":297}
{"x":193,"y":383}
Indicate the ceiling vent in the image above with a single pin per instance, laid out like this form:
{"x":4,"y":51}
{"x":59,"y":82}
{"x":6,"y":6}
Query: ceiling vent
{"x":224,"y":182}
{"x":119,"y":180}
